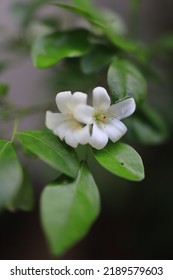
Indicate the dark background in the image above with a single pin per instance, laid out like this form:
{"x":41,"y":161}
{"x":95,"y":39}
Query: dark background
{"x":136,"y":221}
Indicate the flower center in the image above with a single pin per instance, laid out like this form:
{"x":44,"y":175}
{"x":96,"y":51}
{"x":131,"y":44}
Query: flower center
{"x":100,"y":117}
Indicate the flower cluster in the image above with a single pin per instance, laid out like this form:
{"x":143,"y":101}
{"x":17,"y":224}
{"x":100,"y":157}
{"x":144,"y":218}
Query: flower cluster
{"x":80,"y":123}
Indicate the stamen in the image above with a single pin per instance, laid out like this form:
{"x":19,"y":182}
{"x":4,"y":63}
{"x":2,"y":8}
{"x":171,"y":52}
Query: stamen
{"x":100,"y":117}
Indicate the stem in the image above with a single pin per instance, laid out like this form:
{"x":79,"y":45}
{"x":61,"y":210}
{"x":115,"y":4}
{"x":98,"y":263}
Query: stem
{"x":16,"y":123}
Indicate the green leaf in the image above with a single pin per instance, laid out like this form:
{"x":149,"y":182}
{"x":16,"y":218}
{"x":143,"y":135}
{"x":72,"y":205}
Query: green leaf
{"x":10,"y":173}
{"x":98,"y":18}
{"x":165,"y":43}
{"x":125,"y":80}
{"x":96,"y":59}
{"x":3,"y":65}
{"x":3,"y":90}
{"x":85,"y":4}
{"x":90,"y":15}
{"x":50,"y":49}
{"x":147,"y":127}
{"x":25,"y":11}
{"x":68,"y":210}
{"x":51,"y":150}
{"x":77,"y":80}
{"x":122,"y":160}
{"x":25,"y":197}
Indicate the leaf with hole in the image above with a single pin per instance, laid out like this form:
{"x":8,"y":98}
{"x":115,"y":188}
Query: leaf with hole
{"x":122,"y":160}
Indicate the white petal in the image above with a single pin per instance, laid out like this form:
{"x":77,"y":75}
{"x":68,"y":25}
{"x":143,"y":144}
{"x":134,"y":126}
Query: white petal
{"x":70,"y":139}
{"x":63,"y":128}
{"x":78,"y":98}
{"x":98,"y":138}
{"x":101,"y":100}
{"x":84,"y":114}
{"x":123,"y":109}
{"x":114,"y":130}
{"x":83,"y":135}
{"x":54,"y":119}
{"x":63,"y":101}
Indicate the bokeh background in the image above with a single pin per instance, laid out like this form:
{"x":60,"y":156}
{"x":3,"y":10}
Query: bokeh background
{"x":136,"y":221}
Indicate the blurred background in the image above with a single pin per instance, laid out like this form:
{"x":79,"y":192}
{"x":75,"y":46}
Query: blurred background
{"x":136,"y":221}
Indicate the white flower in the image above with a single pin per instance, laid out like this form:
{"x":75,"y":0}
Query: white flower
{"x":104,"y":119}
{"x":63,"y":124}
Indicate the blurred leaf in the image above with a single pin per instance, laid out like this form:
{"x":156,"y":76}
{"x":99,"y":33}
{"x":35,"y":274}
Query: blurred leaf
{"x":85,"y":4}
{"x":99,"y":19}
{"x":2,"y":66}
{"x":77,"y":80}
{"x":89,"y":14}
{"x":49,"y":21}
{"x":166,"y":42}
{"x":146,"y":126}
{"x":96,"y":59}
{"x":122,"y":160}
{"x":25,"y":197}
{"x":50,"y":49}
{"x":10,"y":173}
{"x":68,"y":210}
{"x":3,"y":89}
{"x":51,"y":150}
{"x":125,"y":80}
{"x":24,"y":11}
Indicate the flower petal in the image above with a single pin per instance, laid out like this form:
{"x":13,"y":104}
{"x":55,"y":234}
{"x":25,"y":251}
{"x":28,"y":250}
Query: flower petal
{"x":101,"y":100}
{"x":63,"y":101}
{"x":114,"y":130}
{"x":80,"y":135}
{"x":54,"y":119}
{"x":70,"y":139}
{"x":122,"y":109}
{"x":98,"y":138}
{"x":84,"y":114}
{"x":64,"y":127}
{"x":78,"y":98}
{"x":83,"y":135}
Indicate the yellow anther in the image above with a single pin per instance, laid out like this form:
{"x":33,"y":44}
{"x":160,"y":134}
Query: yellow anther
{"x":101,"y":117}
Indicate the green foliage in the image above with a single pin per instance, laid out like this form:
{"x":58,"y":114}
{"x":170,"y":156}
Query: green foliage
{"x":147,"y":127}
{"x":50,"y":49}
{"x":3,"y":90}
{"x":25,"y":197}
{"x":10,"y":173}
{"x":122,"y":160}
{"x":51,"y":150}
{"x":82,"y":59}
{"x":24,"y":11}
{"x":68,"y":208}
{"x":99,"y":57}
{"x":125,"y":80}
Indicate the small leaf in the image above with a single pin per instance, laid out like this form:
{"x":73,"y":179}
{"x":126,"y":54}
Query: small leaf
{"x":147,"y":127}
{"x":25,"y":197}
{"x":125,"y":80}
{"x":50,"y":49}
{"x":51,"y":150}
{"x":122,"y":160}
{"x":96,"y":59}
{"x":3,"y":90}
{"x":68,"y":210}
{"x":10,"y":173}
